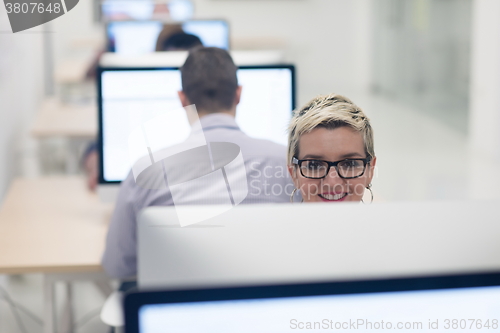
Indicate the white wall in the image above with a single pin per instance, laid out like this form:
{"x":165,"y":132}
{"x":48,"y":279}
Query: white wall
{"x":21,"y":87}
{"x":328,"y":40}
{"x":484,"y":120}
{"x":74,"y":28}
{"x":22,"y":84}
{"x":484,"y":114}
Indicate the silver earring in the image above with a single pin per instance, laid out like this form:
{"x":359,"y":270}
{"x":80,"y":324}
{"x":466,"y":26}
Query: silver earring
{"x":293,"y":193}
{"x":369,"y":188}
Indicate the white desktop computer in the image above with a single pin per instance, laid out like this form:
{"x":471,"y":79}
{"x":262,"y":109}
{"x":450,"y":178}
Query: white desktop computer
{"x":285,"y":243}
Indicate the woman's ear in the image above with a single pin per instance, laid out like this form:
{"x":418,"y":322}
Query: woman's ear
{"x":371,"y":169}
{"x":293,"y":173}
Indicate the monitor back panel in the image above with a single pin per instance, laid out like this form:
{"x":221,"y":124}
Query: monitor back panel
{"x":261,"y":244}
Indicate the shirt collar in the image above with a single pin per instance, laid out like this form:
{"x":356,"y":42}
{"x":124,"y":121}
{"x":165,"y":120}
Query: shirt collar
{"x":218,"y":119}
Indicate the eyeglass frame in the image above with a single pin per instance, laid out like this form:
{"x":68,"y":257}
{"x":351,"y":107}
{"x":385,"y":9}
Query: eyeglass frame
{"x":298,"y":162}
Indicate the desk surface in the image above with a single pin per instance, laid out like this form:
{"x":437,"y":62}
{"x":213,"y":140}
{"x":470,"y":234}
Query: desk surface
{"x":73,"y":71}
{"x":57,"y":119}
{"x":52,"y":225}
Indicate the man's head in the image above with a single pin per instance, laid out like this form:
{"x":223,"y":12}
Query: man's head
{"x":209,"y":81}
{"x":181,"y":41}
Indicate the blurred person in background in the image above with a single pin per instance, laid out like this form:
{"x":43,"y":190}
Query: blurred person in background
{"x":180,"y":41}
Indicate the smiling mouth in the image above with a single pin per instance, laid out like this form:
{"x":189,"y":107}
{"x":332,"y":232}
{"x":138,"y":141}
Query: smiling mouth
{"x":333,"y":197}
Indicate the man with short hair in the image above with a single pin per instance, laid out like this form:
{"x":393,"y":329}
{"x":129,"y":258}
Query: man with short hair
{"x":209,"y":82}
{"x":180,"y":41}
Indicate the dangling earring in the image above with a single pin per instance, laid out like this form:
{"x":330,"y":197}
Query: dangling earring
{"x":369,"y":188}
{"x":293,"y":193}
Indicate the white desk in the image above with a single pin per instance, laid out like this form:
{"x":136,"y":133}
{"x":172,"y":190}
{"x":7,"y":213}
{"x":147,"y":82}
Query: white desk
{"x":76,"y":124}
{"x":57,"y":119}
{"x":56,"y":227}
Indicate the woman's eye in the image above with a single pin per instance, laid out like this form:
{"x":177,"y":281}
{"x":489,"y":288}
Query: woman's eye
{"x":314,"y":165}
{"x":352,"y":164}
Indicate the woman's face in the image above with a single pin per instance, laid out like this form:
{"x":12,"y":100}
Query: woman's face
{"x":332,"y":145}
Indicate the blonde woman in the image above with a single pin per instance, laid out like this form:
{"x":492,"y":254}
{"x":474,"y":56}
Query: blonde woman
{"x":331,"y":157}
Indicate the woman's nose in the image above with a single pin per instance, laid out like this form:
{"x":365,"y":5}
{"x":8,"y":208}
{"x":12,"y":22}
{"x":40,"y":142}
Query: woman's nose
{"x":333,"y":179}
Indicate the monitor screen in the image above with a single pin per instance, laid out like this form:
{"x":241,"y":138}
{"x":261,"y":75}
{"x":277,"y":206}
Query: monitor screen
{"x":462,"y":309}
{"x":133,"y":37}
{"x":128,"y":10}
{"x":128,"y":97}
{"x":211,"y":33}
{"x":177,"y":10}
{"x":140,"y":37}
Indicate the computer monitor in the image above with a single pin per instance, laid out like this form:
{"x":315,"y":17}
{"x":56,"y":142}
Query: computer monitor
{"x":126,"y":9}
{"x":284,"y":243}
{"x":140,"y":37}
{"x":211,"y":32}
{"x":465,"y":302}
{"x":129,"y":96}
{"x":177,"y":10}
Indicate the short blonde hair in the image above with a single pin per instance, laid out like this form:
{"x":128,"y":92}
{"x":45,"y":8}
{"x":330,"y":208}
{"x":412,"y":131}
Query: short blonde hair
{"x":328,"y":111}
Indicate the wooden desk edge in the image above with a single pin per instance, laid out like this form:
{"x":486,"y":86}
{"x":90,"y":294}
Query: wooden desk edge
{"x":51,"y":269}
{"x":42,"y":134}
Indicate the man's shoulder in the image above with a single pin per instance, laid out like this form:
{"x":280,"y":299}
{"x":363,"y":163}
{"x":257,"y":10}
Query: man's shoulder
{"x":141,"y":195}
{"x":263,"y":147}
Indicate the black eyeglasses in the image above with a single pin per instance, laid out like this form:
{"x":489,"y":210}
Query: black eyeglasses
{"x":346,"y":169}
